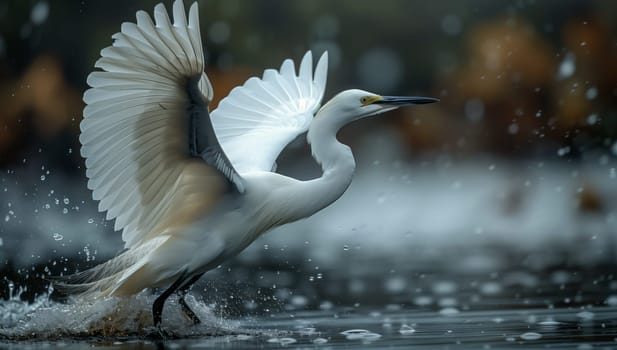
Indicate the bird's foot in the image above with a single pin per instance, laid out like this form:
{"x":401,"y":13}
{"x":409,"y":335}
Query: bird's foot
{"x":162,"y":333}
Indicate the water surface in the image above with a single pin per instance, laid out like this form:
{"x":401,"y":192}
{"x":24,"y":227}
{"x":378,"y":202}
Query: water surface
{"x":544,"y":303}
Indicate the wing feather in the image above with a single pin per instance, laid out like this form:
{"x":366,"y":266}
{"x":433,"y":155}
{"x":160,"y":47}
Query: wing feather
{"x":136,"y":130}
{"x":257,"y":120}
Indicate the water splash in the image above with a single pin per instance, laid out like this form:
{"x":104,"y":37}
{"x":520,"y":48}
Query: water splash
{"x":110,"y":317}
{"x":13,"y":310}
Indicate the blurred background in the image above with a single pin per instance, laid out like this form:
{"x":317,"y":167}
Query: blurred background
{"x":515,"y":169}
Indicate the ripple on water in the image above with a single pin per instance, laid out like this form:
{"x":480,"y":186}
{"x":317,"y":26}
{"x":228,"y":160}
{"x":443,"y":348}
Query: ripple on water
{"x":406,"y":330}
{"x":585,"y":315}
{"x":361,"y":334}
{"x":549,"y":323}
{"x":449,"y":311}
{"x":320,"y":341}
{"x":307,"y":331}
{"x":531,"y":336}
{"x":283,"y":341}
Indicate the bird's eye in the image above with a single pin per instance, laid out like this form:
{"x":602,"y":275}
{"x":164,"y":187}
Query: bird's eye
{"x":365,"y":100}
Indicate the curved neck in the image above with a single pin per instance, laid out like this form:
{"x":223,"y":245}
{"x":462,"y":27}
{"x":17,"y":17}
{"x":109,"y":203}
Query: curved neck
{"x":337,"y":164}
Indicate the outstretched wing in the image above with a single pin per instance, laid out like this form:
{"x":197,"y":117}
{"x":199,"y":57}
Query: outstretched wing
{"x":257,"y":120}
{"x":146,"y":128}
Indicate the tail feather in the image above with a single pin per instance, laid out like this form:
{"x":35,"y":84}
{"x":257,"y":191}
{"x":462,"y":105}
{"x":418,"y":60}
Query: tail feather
{"x":101,"y":279}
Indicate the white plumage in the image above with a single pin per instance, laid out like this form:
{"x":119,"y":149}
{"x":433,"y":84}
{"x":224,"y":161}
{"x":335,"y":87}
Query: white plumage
{"x":190,"y":189}
{"x":257,"y":120}
{"x":133,"y":132}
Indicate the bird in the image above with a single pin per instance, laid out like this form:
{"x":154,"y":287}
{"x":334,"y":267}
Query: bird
{"x":188,"y":187}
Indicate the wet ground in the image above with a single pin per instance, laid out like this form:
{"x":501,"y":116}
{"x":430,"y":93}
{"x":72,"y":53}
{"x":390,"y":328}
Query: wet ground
{"x":483,"y":298}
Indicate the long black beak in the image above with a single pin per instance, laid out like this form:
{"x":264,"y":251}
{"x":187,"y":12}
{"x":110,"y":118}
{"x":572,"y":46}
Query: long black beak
{"x":405,"y":100}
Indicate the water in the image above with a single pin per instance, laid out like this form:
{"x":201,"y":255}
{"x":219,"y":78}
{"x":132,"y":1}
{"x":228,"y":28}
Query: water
{"x":536,"y":301}
{"x":353,"y":327}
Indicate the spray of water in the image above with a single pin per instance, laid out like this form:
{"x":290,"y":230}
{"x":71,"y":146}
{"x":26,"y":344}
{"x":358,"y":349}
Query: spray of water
{"x":111,"y":317}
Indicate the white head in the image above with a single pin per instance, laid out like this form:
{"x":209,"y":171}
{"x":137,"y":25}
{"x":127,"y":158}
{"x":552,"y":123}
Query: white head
{"x":351,"y":105}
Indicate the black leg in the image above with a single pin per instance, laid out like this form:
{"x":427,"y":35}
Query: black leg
{"x":157,"y":307}
{"x":182,"y":292}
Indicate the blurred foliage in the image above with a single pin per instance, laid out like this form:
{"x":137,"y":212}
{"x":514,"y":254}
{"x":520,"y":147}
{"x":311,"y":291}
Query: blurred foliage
{"x":521,"y":78}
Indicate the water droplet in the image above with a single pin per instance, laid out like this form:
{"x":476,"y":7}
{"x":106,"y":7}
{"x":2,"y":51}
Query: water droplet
{"x":531,"y":336}
{"x":591,"y":93}
{"x":345,"y":247}
{"x":91,"y":221}
{"x":567,"y":66}
{"x":66,"y":200}
{"x":57,"y":236}
{"x":39,"y":12}
{"x":65,"y":211}
{"x":266,"y":247}
{"x":592,"y":119}
{"x":406,"y":330}
{"x":87,"y":252}
{"x":42,"y":177}
{"x":563,"y":151}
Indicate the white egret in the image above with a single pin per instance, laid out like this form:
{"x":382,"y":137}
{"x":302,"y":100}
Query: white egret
{"x":188,"y":188}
